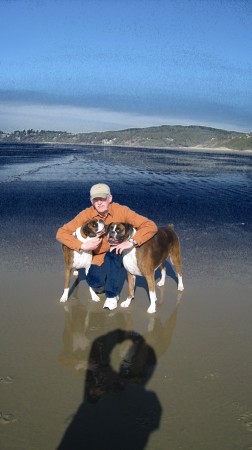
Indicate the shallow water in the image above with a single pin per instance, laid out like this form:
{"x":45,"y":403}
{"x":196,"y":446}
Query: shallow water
{"x":197,"y":390}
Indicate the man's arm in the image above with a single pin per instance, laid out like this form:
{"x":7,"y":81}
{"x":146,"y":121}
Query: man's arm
{"x":145,"y":227}
{"x":65,"y":233}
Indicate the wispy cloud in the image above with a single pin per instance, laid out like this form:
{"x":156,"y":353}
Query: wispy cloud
{"x":14,"y":116}
{"x":23,"y":115}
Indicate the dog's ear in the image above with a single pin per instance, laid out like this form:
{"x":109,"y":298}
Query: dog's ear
{"x":107,"y":227}
{"x":87,"y":230}
{"x":128,"y":229}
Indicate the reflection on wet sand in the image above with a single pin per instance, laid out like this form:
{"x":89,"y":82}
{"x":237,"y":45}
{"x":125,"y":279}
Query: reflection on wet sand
{"x":159,"y":333}
{"x":83,"y":325}
{"x":117,"y":411}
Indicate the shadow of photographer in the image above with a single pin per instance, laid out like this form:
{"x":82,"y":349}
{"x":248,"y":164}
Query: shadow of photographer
{"x":117,"y":410}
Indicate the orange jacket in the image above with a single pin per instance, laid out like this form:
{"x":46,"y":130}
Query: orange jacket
{"x":117,"y":213}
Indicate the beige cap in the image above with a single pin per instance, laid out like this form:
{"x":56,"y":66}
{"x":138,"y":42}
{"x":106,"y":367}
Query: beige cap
{"x":99,"y":190}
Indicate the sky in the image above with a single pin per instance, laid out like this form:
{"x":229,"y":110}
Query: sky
{"x":96,"y":65}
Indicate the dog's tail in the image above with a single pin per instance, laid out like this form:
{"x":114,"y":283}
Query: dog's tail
{"x":171,"y":226}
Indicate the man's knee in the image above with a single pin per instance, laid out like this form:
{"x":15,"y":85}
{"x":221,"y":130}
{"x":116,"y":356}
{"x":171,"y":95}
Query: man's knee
{"x":96,"y":278}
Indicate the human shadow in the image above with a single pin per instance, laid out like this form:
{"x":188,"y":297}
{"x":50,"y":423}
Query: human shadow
{"x":117,"y":411}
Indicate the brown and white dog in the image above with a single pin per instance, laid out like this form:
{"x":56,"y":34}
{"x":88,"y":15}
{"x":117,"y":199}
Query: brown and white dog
{"x":81,"y":260}
{"x":144,"y":260}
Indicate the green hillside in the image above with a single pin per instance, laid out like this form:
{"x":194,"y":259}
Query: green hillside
{"x":165,"y":136}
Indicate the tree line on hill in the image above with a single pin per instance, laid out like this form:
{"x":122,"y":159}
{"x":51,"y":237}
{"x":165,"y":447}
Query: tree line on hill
{"x":166,"y":136}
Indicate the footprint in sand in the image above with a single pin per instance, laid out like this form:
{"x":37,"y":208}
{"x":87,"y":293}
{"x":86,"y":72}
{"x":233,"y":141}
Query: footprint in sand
{"x":6,"y":418}
{"x":6,"y":380}
{"x":246,"y":419}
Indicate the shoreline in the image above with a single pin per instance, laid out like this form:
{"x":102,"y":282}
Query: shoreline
{"x":142,"y":147}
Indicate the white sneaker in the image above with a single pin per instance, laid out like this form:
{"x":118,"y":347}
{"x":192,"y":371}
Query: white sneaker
{"x":111,"y":303}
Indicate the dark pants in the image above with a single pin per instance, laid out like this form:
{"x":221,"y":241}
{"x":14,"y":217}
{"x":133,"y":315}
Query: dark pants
{"x":108,"y":277}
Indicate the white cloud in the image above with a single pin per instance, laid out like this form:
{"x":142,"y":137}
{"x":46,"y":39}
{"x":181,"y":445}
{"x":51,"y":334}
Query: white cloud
{"x":19,"y":116}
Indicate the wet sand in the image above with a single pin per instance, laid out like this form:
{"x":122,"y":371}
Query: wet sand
{"x":199,"y":385}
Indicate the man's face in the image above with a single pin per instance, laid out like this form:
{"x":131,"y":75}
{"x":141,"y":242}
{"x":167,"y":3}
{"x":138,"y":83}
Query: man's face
{"x":102,"y":204}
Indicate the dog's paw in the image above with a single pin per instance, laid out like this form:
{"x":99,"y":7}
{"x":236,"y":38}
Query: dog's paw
{"x":180,"y":283}
{"x":180,"y":287}
{"x":64,"y":296}
{"x":75,"y":273}
{"x":95,"y":298}
{"x":126,"y":303}
{"x":151,"y":309}
{"x":160,"y":283}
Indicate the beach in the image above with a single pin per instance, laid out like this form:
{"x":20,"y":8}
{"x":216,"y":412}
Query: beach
{"x":201,"y":337}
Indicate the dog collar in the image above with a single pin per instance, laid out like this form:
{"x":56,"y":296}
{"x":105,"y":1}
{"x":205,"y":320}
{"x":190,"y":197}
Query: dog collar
{"x":128,"y":250}
{"x":78,"y":235}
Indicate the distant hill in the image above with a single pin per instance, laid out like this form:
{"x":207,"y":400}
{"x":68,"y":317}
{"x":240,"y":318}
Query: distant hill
{"x":165,"y":136}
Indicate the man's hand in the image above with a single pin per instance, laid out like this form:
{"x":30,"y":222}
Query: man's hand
{"x":120,"y":247}
{"x":91,"y":245}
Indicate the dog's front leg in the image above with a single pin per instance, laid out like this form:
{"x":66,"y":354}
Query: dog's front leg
{"x":64,"y":296}
{"x":180,"y":283}
{"x":94,"y":296}
{"x":152,"y":293}
{"x":131,"y":289}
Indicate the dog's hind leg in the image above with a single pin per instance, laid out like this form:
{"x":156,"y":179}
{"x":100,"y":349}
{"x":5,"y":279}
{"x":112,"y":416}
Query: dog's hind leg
{"x":131,"y":289}
{"x":175,"y":258}
{"x":161,"y":282}
{"x":152,"y":293}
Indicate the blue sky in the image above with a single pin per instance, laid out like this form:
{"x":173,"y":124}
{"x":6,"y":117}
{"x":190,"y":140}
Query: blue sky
{"x":93,"y":65}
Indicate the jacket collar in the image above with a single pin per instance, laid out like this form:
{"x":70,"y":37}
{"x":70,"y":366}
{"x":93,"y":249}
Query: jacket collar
{"x":95,"y":213}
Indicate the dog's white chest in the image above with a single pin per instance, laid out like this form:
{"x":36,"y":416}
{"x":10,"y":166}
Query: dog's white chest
{"x":130,"y":263}
{"x":81,"y":260}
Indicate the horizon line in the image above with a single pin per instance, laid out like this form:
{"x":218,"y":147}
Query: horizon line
{"x":123,"y":129}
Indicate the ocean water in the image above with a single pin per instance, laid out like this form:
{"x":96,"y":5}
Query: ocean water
{"x":193,"y":372}
{"x":181,"y":186}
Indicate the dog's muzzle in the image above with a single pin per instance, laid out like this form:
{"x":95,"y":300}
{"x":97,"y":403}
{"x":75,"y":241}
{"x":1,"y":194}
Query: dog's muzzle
{"x":113,"y":241}
{"x":101,"y":233}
